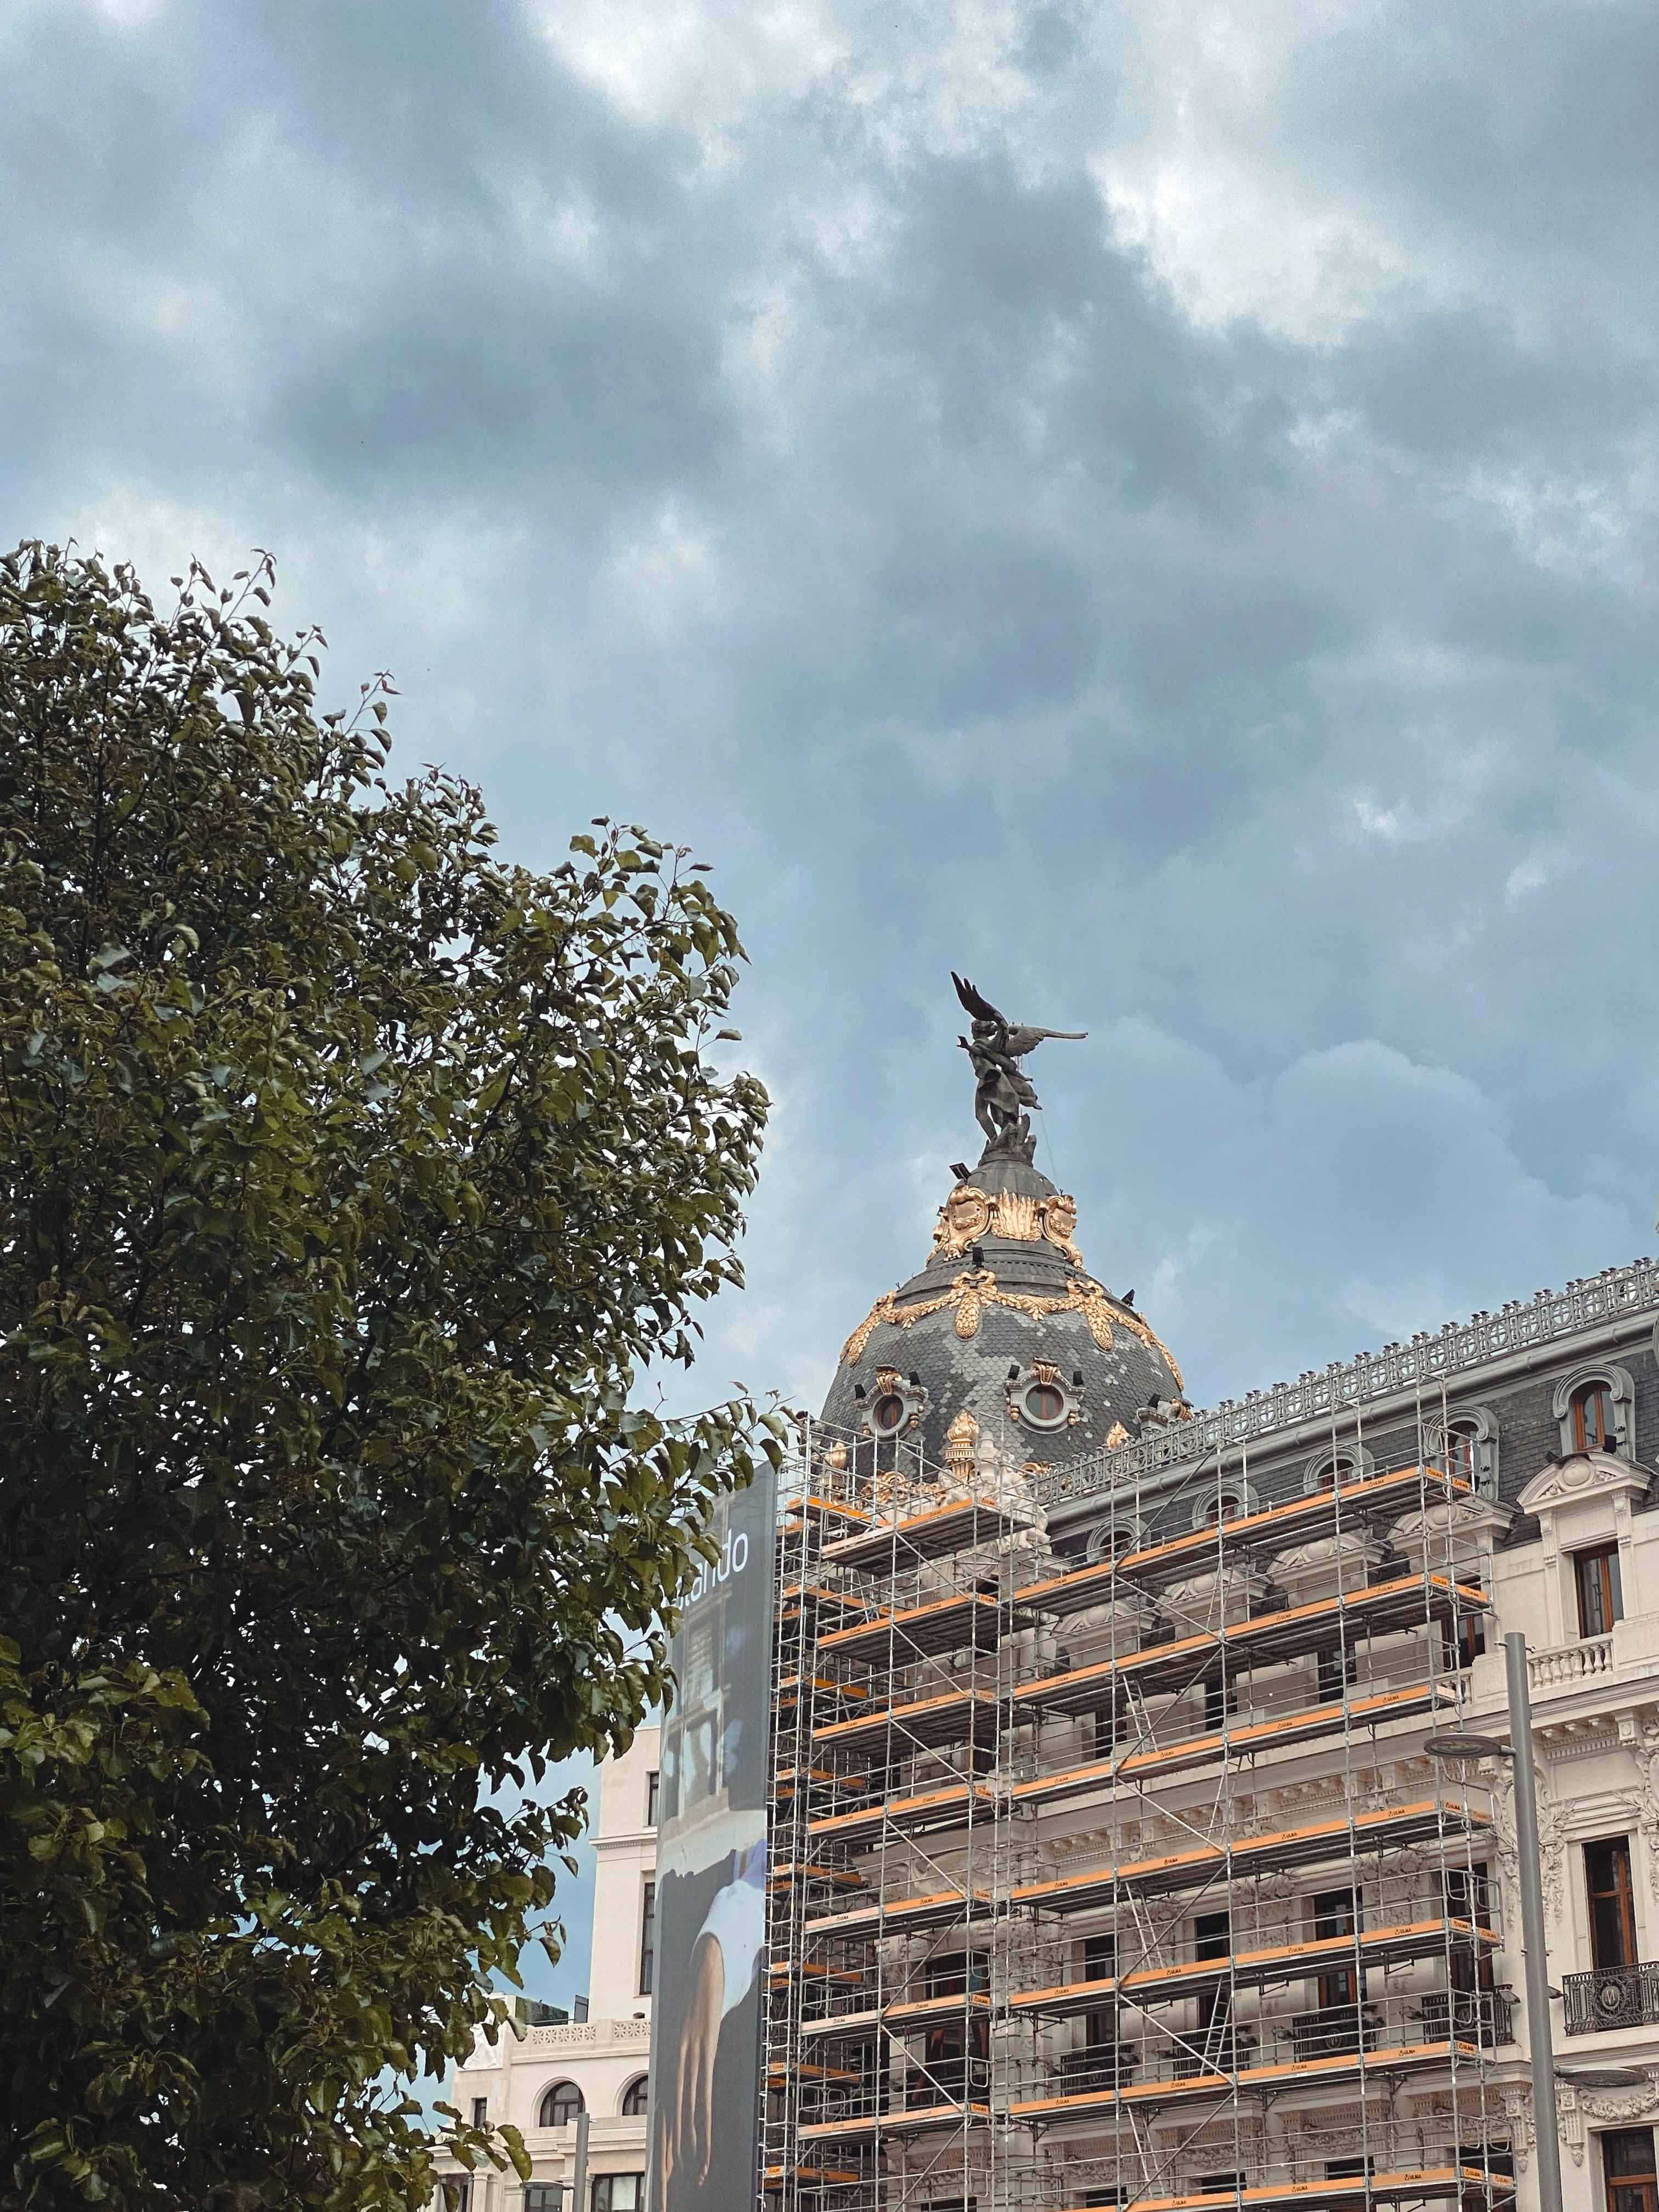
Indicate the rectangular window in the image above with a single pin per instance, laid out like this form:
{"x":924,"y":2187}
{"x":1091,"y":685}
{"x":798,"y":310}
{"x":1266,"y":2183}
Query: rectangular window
{"x":1212,"y":1935}
{"x":1100,"y":2032}
{"x":618,"y":2192}
{"x":1220,"y":1699}
{"x":1337,"y":1670}
{"x":953,"y":1973}
{"x":1348,"y":2169}
{"x":1612,"y":1902}
{"x":458,"y":2196}
{"x":543,"y":2197}
{"x":1601,"y":1601}
{"x":1337,"y":1912}
{"x":1099,"y":1958}
{"x":653,"y":1798}
{"x":481,"y":2111}
{"x":1467,"y":1898}
{"x":1627,"y":2167}
{"x":647,"y":1936}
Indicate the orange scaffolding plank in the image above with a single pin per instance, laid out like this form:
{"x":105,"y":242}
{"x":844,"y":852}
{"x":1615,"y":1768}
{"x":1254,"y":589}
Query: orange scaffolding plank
{"x":1379,"y":1496}
{"x":1389,"y":1827}
{"x":1309,"y":2073}
{"x":1238,"y":1740}
{"x":944,"y":1624}
{"x":1271,"y":1638}
{"x":1156,"y":1985}
{"x":1331,"y":2195}
{"x":921,"y":2119}
{"x":933,"y":1535}
{"x":940,"y":1908}
{"x":952,"y":1806}
{"x":952,"y":1716}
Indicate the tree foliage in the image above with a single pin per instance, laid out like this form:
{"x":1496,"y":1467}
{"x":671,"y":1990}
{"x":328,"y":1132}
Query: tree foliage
{"x":351,"y":1179}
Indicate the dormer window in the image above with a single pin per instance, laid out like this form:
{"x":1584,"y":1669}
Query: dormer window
{"x":1596,"y":1409}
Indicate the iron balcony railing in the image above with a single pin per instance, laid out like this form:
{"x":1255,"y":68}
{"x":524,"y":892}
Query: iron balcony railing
{"x":1611,"y":1996}
{"x":1334,"y":2030}
{"x":1482,"y":2016}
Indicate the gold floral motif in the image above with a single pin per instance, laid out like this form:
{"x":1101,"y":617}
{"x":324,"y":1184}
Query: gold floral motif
{"x":964,"y":1216}
{"x":1116,"y":1435}
{"x":1058,"y":1216}
{"x":967,"y":1312}
{"x":1016,"y":1217}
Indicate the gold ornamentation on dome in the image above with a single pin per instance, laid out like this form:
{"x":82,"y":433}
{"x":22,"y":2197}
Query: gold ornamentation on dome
{"x":884,"y":1309}
{"x":964,"y":1216}
{"x":1090,"y":1301}
{"x":1129,"y":1319}
{"x":962,"y":1445}
{"x":972,"y":1290}
{"x":888,"y":1378}
{"x":836,"y":1456}
{"x":1116,"y":1435}
{"x":1035,"y":1467}
{"x":1058,"y":1216}
{"x":1016,"y":1217}
{"x":1044,"y":1370}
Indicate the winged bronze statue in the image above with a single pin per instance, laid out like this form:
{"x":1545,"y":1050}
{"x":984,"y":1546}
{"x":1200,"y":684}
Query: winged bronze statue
{"x":1003,"y":1098}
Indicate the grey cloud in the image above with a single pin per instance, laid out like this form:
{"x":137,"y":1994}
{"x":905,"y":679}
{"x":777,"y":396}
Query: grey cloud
{"x":818,"y":464}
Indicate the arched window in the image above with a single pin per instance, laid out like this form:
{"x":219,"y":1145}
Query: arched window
{"x":1596,"y":1409}
{"x":1338,"y":1467}
{"x":561,"y":2106}
{"x":636,"y":2097}
{"x":1463,"y":1452}
{"x":1594,"y":1428}
{"x":1223,"y":1506}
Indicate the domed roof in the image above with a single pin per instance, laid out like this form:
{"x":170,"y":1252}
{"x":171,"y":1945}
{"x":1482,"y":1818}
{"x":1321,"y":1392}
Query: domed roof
{"x":1006,"y":1323}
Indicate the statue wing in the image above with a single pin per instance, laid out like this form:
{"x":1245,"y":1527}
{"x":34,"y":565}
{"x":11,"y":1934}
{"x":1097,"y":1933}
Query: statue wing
{"x":977,"y":1005}
{"x":1021,"y":1042}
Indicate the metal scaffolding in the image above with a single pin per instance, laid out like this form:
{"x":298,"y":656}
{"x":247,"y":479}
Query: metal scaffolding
{"x":1117,"y":1876}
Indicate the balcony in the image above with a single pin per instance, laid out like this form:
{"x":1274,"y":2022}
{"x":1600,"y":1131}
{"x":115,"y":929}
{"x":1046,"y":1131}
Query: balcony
{"x":1569,"y":1664}
{"x":1482,"y":2016}
{"x":1099,"y":2066}
{"x":1611,"y":1996}
{"x":1334,"y":2030}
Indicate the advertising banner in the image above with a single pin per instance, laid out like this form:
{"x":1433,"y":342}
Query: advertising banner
{"x":706,"y":2005}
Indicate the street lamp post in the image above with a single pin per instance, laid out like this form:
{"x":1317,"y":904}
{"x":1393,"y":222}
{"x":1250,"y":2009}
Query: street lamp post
{"x":1452,"y":1744}
{"x":1541,"y":2043}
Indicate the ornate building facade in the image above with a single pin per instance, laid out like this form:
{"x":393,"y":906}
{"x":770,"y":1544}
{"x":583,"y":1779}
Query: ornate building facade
{"x":1109,"y":1867}
{"x":544,"y":2075}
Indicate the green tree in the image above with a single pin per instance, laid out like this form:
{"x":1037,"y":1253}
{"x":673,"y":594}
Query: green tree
{"x":352,"y":1180}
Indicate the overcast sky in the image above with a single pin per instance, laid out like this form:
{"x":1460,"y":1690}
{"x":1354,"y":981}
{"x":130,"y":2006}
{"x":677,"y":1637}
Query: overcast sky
{"x":1153,"y":505}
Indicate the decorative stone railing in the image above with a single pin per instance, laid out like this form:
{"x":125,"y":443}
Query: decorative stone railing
{"x":1423,"y":1364}
{"x":1570,"y":1663}
{"x":589,"y":2034}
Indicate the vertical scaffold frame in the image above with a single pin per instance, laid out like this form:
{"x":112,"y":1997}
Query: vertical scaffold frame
{"x":1063,"y":1846}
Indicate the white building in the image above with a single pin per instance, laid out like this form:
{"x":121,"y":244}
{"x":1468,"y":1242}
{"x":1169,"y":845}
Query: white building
{"x":541,"y":2078}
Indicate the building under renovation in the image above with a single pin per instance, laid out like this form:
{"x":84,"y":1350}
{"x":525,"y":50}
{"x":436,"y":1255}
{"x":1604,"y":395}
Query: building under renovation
{"x":1108,"y":1866}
